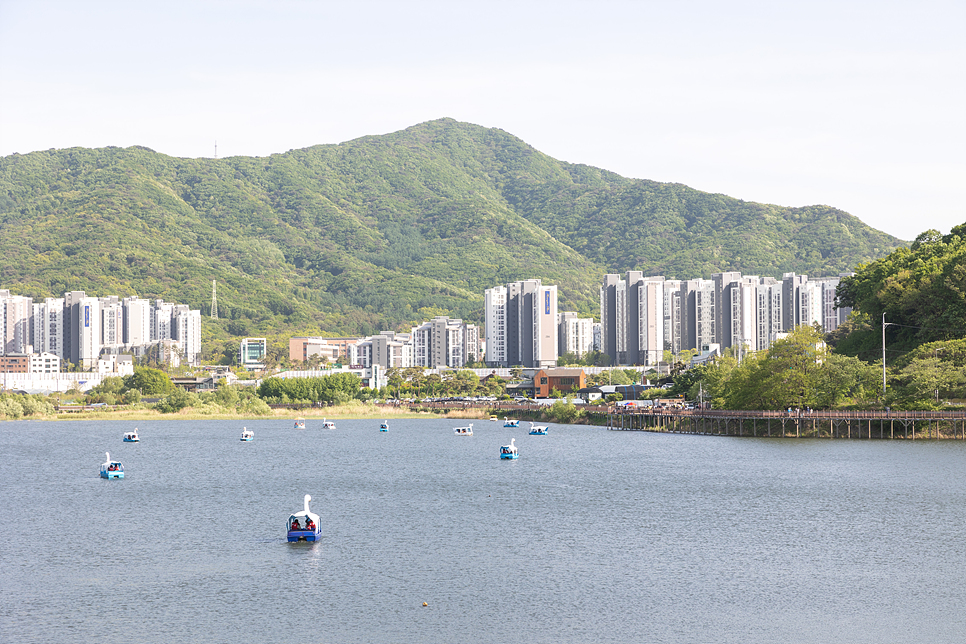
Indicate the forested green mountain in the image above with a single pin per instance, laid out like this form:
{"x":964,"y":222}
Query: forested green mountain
{"x":382,"y":231}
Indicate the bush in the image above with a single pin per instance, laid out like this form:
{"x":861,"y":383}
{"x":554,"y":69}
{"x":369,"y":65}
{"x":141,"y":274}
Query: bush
{"x":176,"y":401}
{"x":564,"y":412}
{"x":255,"y":407}
{"x":11,"y":407}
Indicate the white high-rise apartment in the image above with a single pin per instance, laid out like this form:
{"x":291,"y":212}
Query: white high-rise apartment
{"x":575,"y":334}
{"x":186,"y":324}
{"x":703,"y":315}
{"x":520,"y":319}
{"x":88,"y":332}
{"x":48,"y":327}
{"x":494,"y":325}
{"x":650,"y":320}
{"x":768,"y":313}
{"x":112,"y":323}
{"x":439,"y":343}
{"x":15,"y":327}
{"x":673,"y":316}
{"x":137,"y":321}
{"x":162,"y":314}
{"x":544,"y":327}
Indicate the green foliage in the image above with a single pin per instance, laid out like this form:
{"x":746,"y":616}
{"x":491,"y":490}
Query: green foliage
{"x":334,"y":389}
{"x":564,"y":411}
{"x":255,"y":407}
{"x":14,"y":406}
{"x":614,"y":377}
{"x":227,"y":395}
{"x":374,"y":233}
{"x":921,"y":290}
{"x":176,"y":401}
{"x":797,"y":372}
{"x":149,"y":381}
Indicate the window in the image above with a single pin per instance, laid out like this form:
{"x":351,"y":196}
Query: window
{"x":543,"y":381}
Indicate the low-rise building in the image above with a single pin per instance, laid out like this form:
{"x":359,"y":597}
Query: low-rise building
{"x":562,"y":379}
{"x":251,"y":353}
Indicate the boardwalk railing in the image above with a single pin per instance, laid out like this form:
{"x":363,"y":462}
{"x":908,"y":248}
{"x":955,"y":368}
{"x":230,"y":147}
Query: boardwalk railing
{"x":911,"y":425}
{"x":797,"y":423}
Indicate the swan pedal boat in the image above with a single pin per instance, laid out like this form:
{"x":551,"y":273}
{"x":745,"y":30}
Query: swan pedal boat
{"x":464,"y":431}
{"x":538,"y":430}
{"x":509,"y":451}
{"x":510,"y":423}
{"x":298,"y":522}
{"x":330,"y":424}
{"x":247,"y":434}
{"x":111,"y":469}
{"x":384,"y":427}
{"x":132,"y":437}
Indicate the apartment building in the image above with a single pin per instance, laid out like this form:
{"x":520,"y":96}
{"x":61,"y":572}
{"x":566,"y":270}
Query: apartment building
{"x":520,"y":319}
{"x":574,"y":334}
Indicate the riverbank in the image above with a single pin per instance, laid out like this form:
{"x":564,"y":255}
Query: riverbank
{"x":350,"y":411}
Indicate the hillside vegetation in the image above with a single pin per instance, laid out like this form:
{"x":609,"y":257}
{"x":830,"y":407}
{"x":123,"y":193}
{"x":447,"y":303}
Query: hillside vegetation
{"x":382,"y":231}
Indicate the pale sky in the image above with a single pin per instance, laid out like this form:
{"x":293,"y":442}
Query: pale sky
{"x":860,"y":105}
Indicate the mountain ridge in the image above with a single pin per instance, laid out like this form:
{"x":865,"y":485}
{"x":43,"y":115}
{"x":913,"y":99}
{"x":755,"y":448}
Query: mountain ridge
{"x":381,"y":231}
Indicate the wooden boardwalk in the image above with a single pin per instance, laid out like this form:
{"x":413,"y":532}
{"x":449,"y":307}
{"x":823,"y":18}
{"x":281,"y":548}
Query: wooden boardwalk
{"x":906,"y":425}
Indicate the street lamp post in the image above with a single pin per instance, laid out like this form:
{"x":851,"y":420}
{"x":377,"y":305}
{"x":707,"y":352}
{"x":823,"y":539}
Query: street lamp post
{"x":884,"y":325}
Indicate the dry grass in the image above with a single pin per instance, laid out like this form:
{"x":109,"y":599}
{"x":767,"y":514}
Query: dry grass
{"x":353,"y":410}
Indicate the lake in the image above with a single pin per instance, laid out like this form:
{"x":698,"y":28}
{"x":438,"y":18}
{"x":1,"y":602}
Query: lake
{"x":590,"y":536}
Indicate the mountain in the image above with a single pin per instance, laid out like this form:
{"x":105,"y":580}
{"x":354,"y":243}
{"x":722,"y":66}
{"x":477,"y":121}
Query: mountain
{"x":382,"y":231}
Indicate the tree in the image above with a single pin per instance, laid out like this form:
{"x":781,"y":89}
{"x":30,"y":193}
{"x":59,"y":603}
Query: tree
{"x":791,"y":368}
{"x":175,"y":401}
{"x":927,"y":380}
{"x":150,"y":382}
{"x":394,"y":377}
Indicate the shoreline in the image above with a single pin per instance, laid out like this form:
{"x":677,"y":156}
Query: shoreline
{"x":346,"y":412}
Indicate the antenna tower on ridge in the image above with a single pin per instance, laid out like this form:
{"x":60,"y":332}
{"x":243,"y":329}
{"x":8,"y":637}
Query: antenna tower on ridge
{"x":214,"y":302}
{"x":216,"y":149}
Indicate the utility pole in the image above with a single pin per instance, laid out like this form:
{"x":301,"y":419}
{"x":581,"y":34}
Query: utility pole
{"x":884,"y":325}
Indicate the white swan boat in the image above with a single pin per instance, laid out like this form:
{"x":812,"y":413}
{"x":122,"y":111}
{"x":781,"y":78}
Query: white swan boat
{"x":111,"y":469}
{"x":247,"y":434}
{"x":464,"y":431}
{"x":509,"y":451}
{"x":132,"y":437}
{"x":384,"y":426}
{"x":330,"y":424}
{"x":510,"y":423}
{"x":538,"y":430}
{"x":304,"y":525}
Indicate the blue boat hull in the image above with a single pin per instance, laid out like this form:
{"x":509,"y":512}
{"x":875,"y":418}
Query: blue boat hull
{"x":303,"y":535}
{"x":112,"y":475}
{"x":132,"y":440}
{"x":509,"y":456}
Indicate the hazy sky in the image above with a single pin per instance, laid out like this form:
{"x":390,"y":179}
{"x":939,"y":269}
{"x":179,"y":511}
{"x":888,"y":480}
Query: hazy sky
{"x":860,"y":105}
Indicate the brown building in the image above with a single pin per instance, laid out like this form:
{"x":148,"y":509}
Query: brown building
{"x":562,"y":379}
{"x":15,"y":363}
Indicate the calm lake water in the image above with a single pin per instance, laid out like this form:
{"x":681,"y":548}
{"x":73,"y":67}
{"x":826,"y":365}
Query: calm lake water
{"x":591,"y":536}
